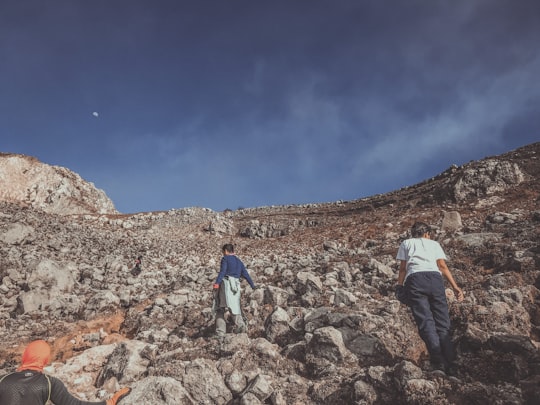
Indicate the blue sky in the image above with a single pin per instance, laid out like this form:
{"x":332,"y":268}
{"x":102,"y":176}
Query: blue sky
{"x":245,"y":103}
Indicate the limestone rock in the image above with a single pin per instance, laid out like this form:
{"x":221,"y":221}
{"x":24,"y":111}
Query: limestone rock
{"x":53,"y":189}
{"x":325,"y":326}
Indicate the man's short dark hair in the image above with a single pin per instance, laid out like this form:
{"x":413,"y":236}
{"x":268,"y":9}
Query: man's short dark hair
{"x":419,"y":229}
{"x":228,"y":247}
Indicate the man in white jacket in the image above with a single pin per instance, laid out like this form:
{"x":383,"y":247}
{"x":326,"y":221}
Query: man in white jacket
{"x":420,"y":286}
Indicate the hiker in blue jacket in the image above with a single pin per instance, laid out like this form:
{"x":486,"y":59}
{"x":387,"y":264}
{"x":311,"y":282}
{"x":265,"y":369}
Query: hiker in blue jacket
{"x":227,"y":291}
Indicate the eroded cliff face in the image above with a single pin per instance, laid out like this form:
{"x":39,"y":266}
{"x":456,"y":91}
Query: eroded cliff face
{"x":324,"y":328}
{"x":53,"y":189}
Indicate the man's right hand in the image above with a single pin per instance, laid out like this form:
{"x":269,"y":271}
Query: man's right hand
{"x":459,"y":294}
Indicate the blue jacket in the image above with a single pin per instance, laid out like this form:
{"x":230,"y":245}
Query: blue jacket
{"x":232,"y":266}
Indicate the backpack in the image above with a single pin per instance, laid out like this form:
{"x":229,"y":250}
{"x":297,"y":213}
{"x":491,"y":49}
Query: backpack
{"x":48,"y":383}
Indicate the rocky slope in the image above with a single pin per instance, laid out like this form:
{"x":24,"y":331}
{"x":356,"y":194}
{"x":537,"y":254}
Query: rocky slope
{"x":324,"y":328}
{"x":53,"y":189}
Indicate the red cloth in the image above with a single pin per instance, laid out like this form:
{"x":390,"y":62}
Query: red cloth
{"x":36,"y":356}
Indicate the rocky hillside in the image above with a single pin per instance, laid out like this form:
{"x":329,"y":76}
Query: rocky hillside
{"x":53,"y":189}
{"x":324,"y":328}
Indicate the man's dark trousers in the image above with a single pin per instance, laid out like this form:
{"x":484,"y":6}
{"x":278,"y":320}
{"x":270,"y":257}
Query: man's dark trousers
{"x":427,"y":299}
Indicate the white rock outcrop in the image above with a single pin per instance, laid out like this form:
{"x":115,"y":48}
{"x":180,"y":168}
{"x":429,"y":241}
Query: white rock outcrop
{"x":53,"y":189}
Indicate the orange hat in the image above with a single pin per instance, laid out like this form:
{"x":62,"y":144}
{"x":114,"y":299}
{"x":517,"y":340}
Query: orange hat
{"x":36,"y":356}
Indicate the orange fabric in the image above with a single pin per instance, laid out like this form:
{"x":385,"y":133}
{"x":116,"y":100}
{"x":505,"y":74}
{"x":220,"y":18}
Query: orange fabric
{"x":118,"y":395}
{"x":36,"y":356}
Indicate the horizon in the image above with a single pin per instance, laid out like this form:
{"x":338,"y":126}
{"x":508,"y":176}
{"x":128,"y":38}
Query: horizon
{"x":287,"y":205}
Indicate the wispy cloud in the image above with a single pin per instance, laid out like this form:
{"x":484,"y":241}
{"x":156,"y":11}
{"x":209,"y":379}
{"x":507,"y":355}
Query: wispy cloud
{"x":230,"y":109}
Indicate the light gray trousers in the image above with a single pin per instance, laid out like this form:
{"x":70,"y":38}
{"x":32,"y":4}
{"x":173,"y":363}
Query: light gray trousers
{"x":221,"y":324}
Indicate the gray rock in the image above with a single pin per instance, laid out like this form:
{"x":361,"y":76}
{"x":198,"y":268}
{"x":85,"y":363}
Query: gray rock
{"x":451,"y":222}
{"x":159,"y":391}
{"x":324,"y":329}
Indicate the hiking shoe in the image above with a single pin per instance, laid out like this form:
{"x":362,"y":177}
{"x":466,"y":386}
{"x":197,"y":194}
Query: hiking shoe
{"x":452,"y":370}
{"x":438,"y":369}
{"x":436,"y":365}
{"x":219,"y":337}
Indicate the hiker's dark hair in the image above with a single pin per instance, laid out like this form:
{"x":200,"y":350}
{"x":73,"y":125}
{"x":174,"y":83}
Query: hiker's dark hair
{"x":419,"y":229}
{"x":228,"y":247}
